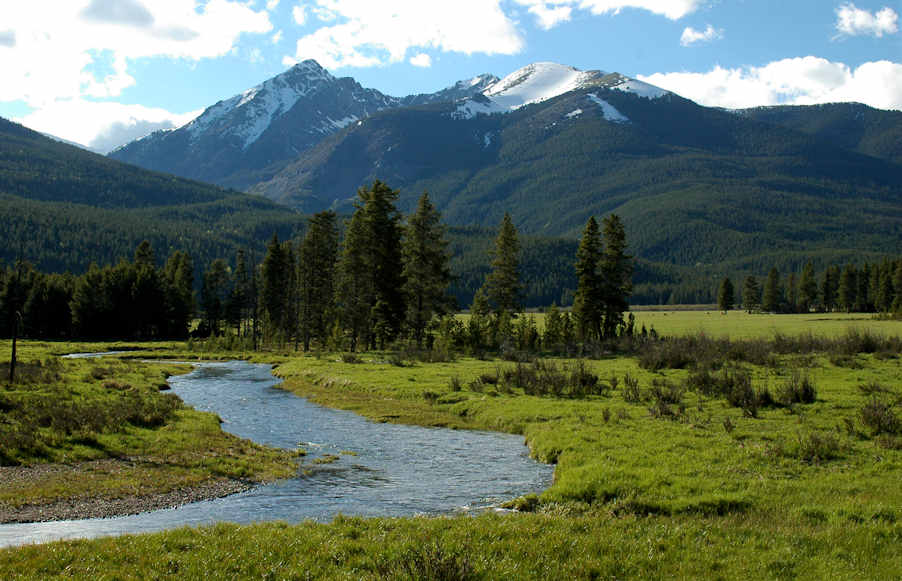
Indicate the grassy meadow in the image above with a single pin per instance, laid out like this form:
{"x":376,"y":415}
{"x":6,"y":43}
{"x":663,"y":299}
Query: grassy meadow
{"x":743,"y":446}
{"x":70,"y":412}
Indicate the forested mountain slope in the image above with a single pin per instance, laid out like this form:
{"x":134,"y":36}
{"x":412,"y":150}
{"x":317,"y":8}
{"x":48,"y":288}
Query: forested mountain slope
{"x":694,"y":185}
{"x":848,"y":125}
{"x":62,"y":207}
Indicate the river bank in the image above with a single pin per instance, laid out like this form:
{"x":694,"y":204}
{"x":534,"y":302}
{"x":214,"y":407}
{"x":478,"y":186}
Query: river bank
{"x":96,"y":504}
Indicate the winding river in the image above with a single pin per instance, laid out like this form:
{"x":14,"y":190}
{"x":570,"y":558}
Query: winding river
{"x":382,"y":469}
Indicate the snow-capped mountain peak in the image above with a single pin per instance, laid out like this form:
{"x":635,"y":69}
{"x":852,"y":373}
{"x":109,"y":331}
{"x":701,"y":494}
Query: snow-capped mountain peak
{"x":255,"y":109}
{"x":542,"y":81}
{"x":536,"y":83}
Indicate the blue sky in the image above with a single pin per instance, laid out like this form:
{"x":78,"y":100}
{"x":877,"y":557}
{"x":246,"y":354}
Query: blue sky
{"x":103,"y":72}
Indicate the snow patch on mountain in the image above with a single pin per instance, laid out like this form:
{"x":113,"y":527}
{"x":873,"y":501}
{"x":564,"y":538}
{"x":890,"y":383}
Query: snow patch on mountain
{"x":536,"y":83}
{"x":574,"y":113}
{"x":639,"y":88}
{"x":250,"y":113}
{"x":609,"y":111}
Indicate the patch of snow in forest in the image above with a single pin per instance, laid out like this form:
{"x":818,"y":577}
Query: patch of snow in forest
{"x":609,"y":111}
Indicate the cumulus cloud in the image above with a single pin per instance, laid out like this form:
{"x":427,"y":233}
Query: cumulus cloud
{"x":277,"y":37}
{"x":8,"y":38}
{"x":421,"y":60}
{"x":796,"y":81}
{"x":376,"y":33}
{"x":51,"y":58}
{"x":672,"y":9}
{"x":550,"y":13}
{"x":76,"y":121}
{"x":130,"y":12}
{"x":854,"y":21}
{"x":692,"y":36}
{"x":299,"y":14}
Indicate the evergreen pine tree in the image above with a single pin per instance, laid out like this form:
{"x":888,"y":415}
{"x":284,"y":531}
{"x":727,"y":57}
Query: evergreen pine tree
{"x":847,"y":293}
{"x":355,"y":289}
{"x":502,"y":286}
{"x":383,"y":225}
{"x":213,"y":295}
{"x":179,"y":275}
{"x":426,"y":272}
{"x":725,"y":295}
{"x":863,"y":297}
{"x":773,"y":295}
{"x":317,"y":270}
{"x":751,"y":294}
{"x":830,"y":287}
{"x":276,"y":291}
{"x":588,"y":308}
{"x":807,"y":288}
{"x":616,"y":275}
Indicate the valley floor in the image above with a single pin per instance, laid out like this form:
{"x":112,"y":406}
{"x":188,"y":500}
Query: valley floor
{"x":773,"y":458}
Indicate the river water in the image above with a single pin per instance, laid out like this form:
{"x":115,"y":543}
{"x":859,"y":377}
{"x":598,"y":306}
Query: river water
{"x":382,"y":469}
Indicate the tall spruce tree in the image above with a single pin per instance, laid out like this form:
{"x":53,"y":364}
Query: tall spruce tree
{"x":830,"y":287}
{"x":588,"y":305}
{"x":317,"y":264}
{"x":725,"y":295}
{"x":751,"y":294}
{"x":179,"y":276}
{"x":616,"y":275}
{"x":383,"y":224}
{"x":355,"y":290}
{"x":807,"y":288}
{"x":276,"y":291}
{"x":502,"y":286}
{"x":772,"y":298}
{"x":426,"y":271}
{"x":214,"y":290}
{"x":847,"y":293}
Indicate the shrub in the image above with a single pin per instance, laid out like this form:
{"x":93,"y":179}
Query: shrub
{"x":819,"y":446}
{"x":878,"y":415}
{"x":631,"y":392}
{"x":350,"y":358}
{"x":799,"y":388}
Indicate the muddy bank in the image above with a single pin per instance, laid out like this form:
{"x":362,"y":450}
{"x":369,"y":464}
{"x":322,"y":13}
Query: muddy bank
{"x":99,"y":506}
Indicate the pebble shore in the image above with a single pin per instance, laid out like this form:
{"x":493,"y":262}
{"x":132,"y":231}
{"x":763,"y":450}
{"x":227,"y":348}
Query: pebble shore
{"x":101,"y":507}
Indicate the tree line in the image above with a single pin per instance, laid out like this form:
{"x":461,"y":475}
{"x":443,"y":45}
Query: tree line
{"x":387,"y":279}
{"x":871,"y":288}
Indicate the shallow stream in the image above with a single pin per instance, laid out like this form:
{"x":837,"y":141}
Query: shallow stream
{"x":382,"y":469}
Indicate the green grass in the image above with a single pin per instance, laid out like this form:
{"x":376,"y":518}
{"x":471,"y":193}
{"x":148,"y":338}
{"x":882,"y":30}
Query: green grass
{"x":70,"y":411}
{"x":807,"y":490}
{"x":742,"y":325}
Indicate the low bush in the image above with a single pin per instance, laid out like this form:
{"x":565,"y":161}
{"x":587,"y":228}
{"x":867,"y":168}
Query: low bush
{"x":799,"y":388}
{"x":878,"y":415}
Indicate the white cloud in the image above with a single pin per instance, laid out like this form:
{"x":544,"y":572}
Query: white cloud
{"x":299,"y":14}
{"x":272,"y":4}
{"x":277,"y":37}
{"x":76,"y":120}
{"x":550,"y":13}
{"x":672,"y":9}
{"x":796,"y":81}
{"x":52,"y":52}
{"x":377,"y":33}
{"x":854,"y":21}
{"x":421,"y":60}
{"x":692,"y":36}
